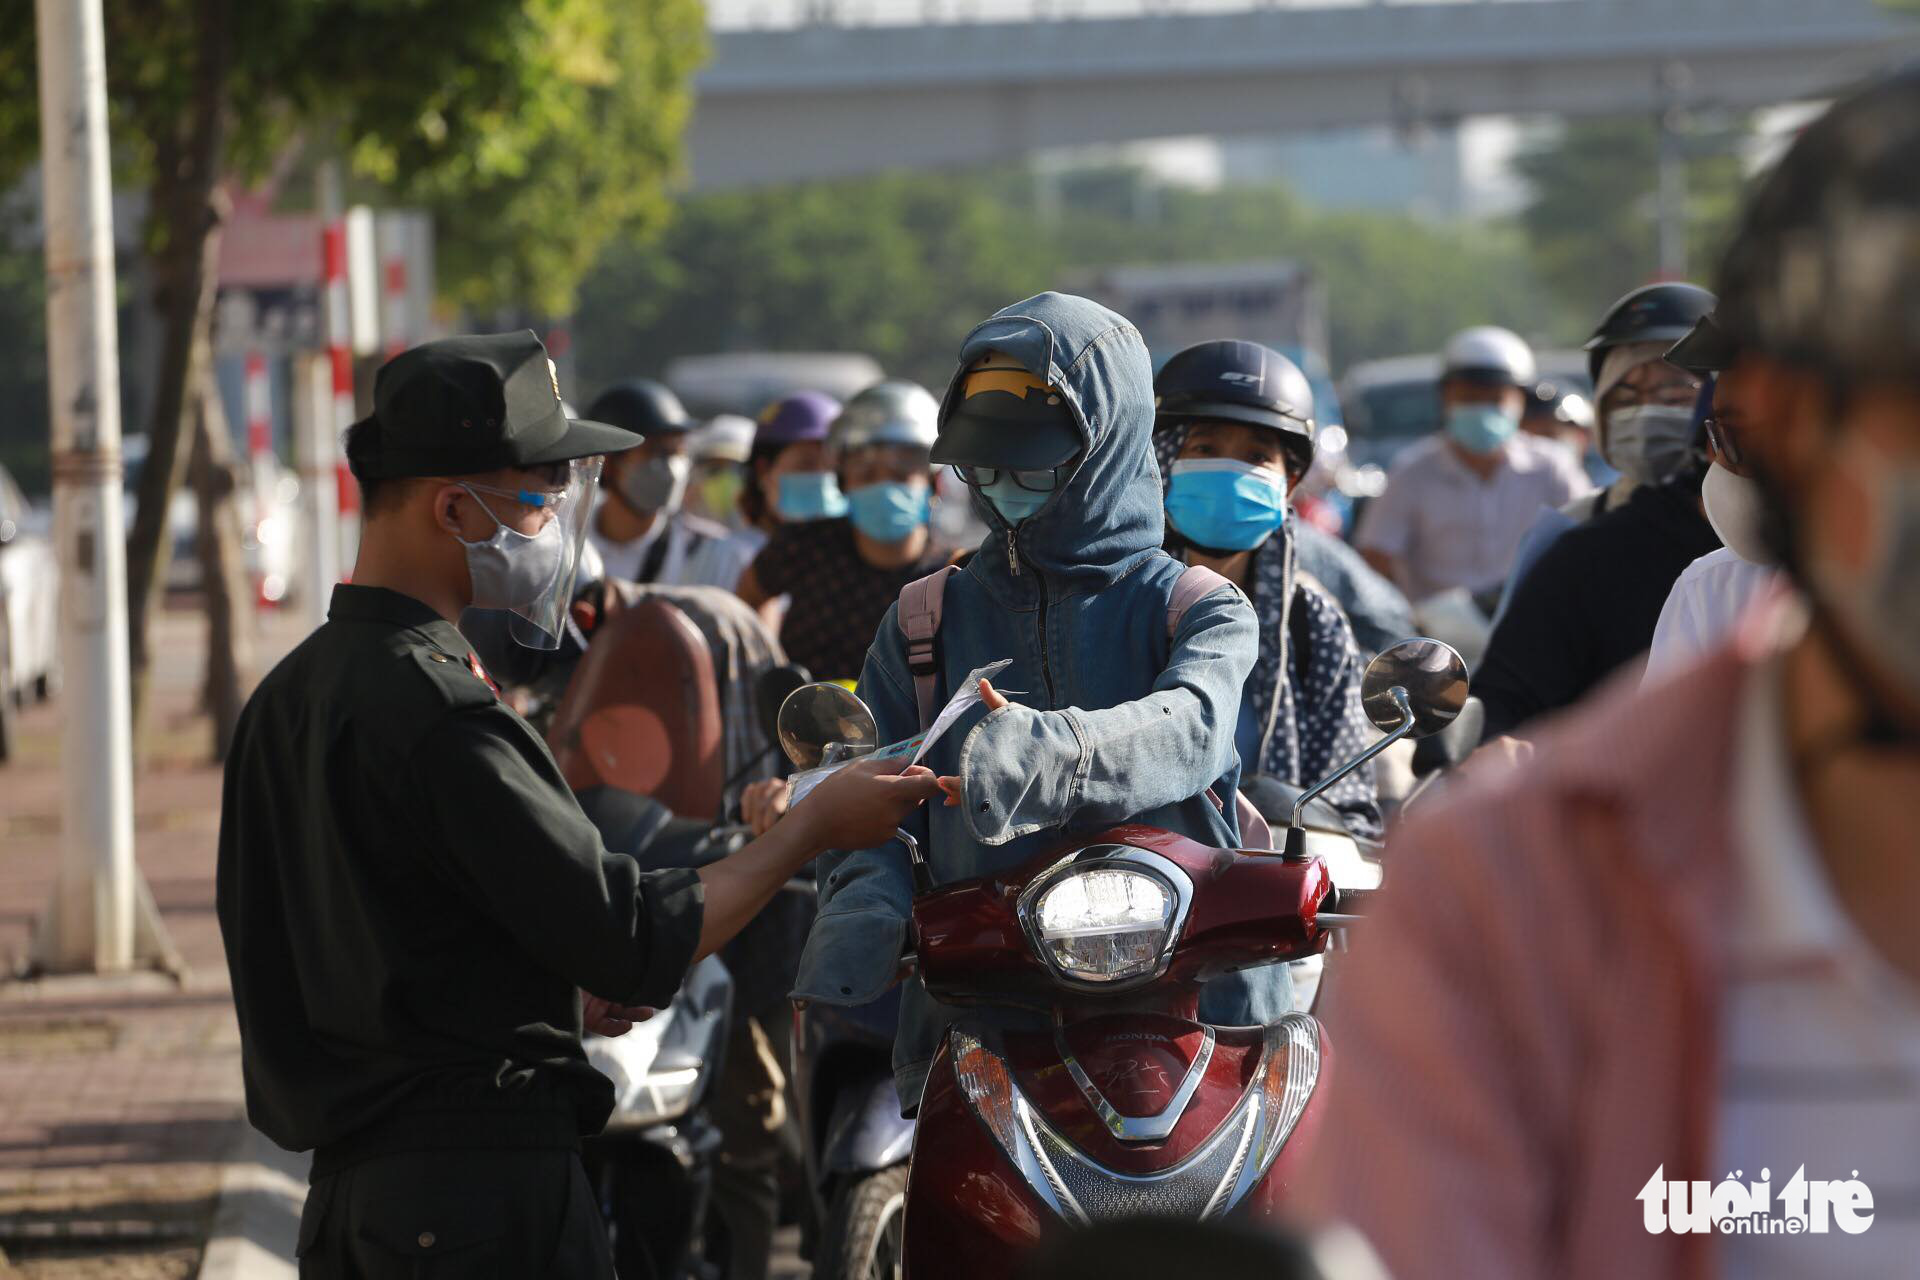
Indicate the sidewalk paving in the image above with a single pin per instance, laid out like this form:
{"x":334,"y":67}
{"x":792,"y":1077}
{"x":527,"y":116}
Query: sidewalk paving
{"x":120,"y":1098}
{"x":124,"y":1149}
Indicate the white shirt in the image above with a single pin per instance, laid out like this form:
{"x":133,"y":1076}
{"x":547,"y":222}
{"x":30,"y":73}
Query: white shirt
{"x":1708,"y":598}
{"x":1449,"y":528}
{"x":1820,"y":1062}
{"x":624,"y":560}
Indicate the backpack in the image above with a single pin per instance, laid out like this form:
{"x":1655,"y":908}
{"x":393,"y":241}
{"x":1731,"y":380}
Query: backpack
{"x":918,"y":616}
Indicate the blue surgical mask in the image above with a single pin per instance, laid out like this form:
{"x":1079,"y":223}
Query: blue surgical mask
{"x":1481,"y":428}
{"x":1225,"y":505}
{"x":889,"y":511}
{"x":1012,"y":502}
{"x":810,"y":495}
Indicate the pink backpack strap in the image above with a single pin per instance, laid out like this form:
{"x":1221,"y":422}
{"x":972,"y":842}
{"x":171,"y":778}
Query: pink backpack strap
{"x":1195,"y":583}
{"x":919,"y":618}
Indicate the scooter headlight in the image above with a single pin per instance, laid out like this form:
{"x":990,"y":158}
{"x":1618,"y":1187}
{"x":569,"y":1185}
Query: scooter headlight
{"x":1104,"y":923}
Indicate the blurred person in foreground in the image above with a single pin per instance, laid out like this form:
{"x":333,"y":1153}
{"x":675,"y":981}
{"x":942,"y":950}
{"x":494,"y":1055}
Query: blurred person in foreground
{"x":419,"y":920}
{"x":842,"y":572}
{"x":1458,"y":501}
{"x":1665,"y":975}
{"x":1714,"y":592}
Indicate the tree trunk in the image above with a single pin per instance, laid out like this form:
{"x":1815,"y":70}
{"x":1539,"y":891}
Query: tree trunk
{"x":188,"y":209}
{"x":219,"y":492}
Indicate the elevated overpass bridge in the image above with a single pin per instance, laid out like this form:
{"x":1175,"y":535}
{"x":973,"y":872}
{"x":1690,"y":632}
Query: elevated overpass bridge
{"x":829,"y":88}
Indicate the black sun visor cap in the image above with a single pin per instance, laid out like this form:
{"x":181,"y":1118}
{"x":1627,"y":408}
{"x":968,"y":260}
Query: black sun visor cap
{"x":1708,"y":349}
{"x":1006,"y":417}
{"x":483,"y":402}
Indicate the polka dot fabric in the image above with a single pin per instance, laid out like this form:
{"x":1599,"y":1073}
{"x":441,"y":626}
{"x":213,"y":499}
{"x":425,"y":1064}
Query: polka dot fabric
{"x":839,"y":599}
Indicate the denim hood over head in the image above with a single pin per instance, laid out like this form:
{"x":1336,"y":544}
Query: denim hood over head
{"x":1110,"y":718}
{"x":1107,"y":518}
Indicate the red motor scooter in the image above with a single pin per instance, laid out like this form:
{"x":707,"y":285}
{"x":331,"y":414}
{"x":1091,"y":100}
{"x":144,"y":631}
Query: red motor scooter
{"x":1127,"y":1104}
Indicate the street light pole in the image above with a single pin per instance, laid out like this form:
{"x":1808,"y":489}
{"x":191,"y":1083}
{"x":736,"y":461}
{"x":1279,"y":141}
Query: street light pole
{"x":100,"y":919}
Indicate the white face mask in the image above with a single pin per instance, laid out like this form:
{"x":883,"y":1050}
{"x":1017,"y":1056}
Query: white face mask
{"x":1734,"y":509}
{"x":657,"y":484}
{"x":1878,"y":600}
{"x":513,"y":570}
{"x":1648,"y":442}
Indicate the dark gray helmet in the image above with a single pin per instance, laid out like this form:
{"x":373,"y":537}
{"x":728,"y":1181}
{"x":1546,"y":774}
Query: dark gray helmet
{"x":1825,"y":268}
{"x":1238,"y":382}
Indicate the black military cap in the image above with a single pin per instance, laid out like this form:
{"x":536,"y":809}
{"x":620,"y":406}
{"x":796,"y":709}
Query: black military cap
{"x":482,"y":402}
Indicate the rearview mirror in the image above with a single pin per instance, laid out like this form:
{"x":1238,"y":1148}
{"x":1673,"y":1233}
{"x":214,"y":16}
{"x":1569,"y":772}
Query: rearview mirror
{"x":819,"y":719}
{"x":1430,"y":677}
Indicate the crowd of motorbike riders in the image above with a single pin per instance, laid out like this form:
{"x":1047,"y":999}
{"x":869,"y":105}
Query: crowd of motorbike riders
{"x":1659,"y":933}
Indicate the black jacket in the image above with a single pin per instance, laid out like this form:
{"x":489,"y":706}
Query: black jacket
{"x":1589,"y":604}
{"x":410,"y":895}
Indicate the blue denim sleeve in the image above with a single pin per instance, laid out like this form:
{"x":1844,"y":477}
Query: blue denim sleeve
{"x":866,"y":895}
{"x":1028,"y":770}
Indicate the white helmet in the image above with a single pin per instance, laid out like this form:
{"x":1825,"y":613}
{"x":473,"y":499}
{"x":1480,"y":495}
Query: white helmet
{"x":895,"y":412}
{"x":726,"y":436}
{"x":1488,"y":353}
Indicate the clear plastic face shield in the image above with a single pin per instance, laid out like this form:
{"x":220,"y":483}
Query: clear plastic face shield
{"x":529,"y":564}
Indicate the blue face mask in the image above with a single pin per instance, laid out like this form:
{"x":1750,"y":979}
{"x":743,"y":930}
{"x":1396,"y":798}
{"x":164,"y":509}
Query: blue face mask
{"x":1224,"y":505}
{"x":889,"y":511}
{"x":1012,"y":502}
{"x":1481,"y":428}
{"x":810,"y":495}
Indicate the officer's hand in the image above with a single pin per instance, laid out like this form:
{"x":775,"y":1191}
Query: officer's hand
{"x":993,"y":700}
{"x":859,"y":805}
{"x":763,"y":802}
{"x":605,"y":1018}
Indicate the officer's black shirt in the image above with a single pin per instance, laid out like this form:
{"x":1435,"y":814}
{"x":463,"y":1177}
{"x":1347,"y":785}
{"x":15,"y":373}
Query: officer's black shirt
{"x":1589,"y":604}
{"x":410,"y":895}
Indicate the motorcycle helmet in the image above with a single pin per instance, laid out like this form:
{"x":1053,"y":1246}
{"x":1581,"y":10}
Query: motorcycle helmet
{"x":894,"y":412}
{"x":641,"y":405}
{"x":1489,"y":354}
{"x":1238,"y":382}
{"x":1652,"y":313}
{"x":804,"y":415}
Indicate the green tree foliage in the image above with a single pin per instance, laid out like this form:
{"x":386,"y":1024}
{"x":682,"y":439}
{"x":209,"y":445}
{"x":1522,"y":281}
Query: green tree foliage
{"x":535,"y":129}
{"x":1591,"y":220}
{"x":901,"y":266}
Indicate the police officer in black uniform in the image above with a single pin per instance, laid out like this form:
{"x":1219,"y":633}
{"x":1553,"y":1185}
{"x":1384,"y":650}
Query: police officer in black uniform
{"x":418,"y":918}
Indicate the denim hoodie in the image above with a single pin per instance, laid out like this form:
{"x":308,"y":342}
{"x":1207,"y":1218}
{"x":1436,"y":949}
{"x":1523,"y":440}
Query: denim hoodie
{"x":1108,"y":722}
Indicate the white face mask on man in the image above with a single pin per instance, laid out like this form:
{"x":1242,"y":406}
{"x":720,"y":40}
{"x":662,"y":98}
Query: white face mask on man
{"x":1734,"y":508}
{"x":510,"y":569}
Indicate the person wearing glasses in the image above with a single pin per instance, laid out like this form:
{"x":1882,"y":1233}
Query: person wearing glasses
{"x":419,"y":920}
{"x":1716,"y":591}
{"x":841,"y":571}
{"x":1106,"y":716}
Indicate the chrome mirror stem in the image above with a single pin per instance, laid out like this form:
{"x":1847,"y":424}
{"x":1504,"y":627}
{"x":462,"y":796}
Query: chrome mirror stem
{"x":1401,"y":730}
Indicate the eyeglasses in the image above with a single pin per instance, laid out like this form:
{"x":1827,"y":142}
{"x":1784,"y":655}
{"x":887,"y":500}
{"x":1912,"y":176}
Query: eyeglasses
{"x":1721,"y":434}
{"x":526,"y":497}
{"x":1044,"y":481}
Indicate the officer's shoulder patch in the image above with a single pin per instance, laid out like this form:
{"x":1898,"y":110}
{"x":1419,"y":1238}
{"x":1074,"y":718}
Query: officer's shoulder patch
{"x":453,"y":682}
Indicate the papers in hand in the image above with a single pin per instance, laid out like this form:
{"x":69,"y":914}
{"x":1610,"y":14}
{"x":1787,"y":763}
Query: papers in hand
{"x":916,"y":747}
